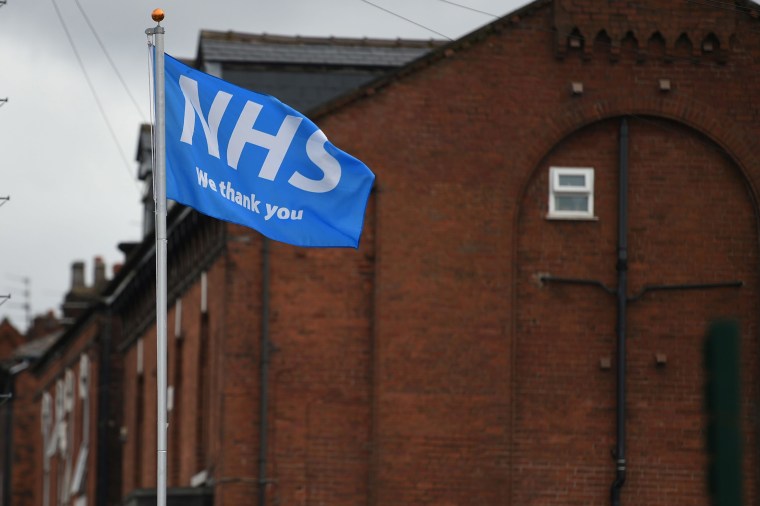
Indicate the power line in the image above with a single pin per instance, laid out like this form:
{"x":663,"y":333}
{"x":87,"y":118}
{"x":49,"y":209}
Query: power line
{"x":26,"y":281}
{"x":92,"y":89}
{"x":406,"y":19}
{"x":713,"y":3}
{"x":108,"y":57}
{"x":470,"y":8}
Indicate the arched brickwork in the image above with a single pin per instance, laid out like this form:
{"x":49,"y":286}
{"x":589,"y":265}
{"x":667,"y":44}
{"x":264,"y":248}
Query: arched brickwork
{"x":722,"y":130}
{"x":686,"y":116}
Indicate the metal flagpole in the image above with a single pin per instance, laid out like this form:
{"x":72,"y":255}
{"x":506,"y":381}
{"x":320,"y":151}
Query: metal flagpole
{"x":159,"y":176}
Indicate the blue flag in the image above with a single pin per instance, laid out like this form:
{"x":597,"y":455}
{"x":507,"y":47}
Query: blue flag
{"x":247,"y":158}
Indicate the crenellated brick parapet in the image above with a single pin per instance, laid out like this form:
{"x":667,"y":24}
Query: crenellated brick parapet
{"x":648,"y":28}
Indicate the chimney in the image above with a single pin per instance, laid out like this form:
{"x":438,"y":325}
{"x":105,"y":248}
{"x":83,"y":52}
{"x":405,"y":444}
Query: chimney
{"x":99,"y":273}
{"x":77,"y":276}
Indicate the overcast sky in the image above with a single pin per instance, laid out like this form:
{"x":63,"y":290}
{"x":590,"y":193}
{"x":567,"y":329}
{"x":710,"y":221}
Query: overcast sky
{"x":72,"y":187}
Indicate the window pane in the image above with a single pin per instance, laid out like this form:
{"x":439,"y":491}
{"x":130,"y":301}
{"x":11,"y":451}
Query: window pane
{"x":571,"y":203}
{"x":572,"y":180}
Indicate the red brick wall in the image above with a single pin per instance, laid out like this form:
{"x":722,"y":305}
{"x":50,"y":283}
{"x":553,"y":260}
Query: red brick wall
{"x":145,"y":470}
{"x":234,"y":328}
{"x":321,"y":374}
{"x":186,"y":456}
{"x":691,"y":221}
{"x":471,"y":404}
{"x":129,"y":450}
{"x":430,"y":366}
{"x":10,"y":339}
{"x":24,"y":441}
{"x":201,"y":435}
{"x":51,"y":373}
{"x":187,"y":453}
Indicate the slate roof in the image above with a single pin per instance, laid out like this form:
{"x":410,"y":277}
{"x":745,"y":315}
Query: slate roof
{"x":35,"y":349}
{"x":246,"y":48}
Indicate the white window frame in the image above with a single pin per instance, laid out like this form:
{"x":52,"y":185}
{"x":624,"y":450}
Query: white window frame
{"x":586,"y":190}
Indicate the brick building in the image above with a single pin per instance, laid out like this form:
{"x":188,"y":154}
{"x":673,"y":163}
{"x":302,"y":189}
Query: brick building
{"x":10,"y":339}
{"x":18,"y":411}
{"x":571,"y":177}
{"x":93,"y":388}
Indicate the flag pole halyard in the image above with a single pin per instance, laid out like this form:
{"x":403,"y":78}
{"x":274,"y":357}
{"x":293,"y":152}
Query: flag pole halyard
{"x":159,"y":175}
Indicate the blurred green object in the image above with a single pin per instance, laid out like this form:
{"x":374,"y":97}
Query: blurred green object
{"x":723,"y":405}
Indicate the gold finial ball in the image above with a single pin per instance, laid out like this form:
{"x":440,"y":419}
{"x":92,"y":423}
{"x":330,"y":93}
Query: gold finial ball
{"x":157,"y":15}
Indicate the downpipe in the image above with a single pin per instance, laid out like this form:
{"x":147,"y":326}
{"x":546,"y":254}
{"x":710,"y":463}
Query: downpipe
{"x":622,"y":306}
{"x":264,"y":374}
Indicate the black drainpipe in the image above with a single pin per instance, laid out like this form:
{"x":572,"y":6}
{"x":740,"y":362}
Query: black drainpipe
{"x":264,"y":372}
{"x":622,"y":306}
{"x":622,"y":301}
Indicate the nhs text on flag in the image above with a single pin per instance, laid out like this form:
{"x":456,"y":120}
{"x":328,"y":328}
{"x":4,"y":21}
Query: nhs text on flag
{"x":247,"y":158}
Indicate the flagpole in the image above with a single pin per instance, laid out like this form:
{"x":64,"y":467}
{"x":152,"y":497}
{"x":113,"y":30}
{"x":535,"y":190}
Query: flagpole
{"x":159,"y":175}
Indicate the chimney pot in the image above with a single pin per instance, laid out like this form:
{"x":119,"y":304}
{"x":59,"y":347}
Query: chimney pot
{"x":100,"y":272}
{"x":77,"y":275}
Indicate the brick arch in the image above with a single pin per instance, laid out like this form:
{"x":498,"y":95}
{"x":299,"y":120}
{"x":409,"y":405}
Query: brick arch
{"x":720,"y":129}
{"x":701,"y":120}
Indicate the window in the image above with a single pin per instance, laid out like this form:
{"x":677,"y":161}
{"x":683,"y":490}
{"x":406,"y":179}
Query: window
{"x":571,"y":193}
